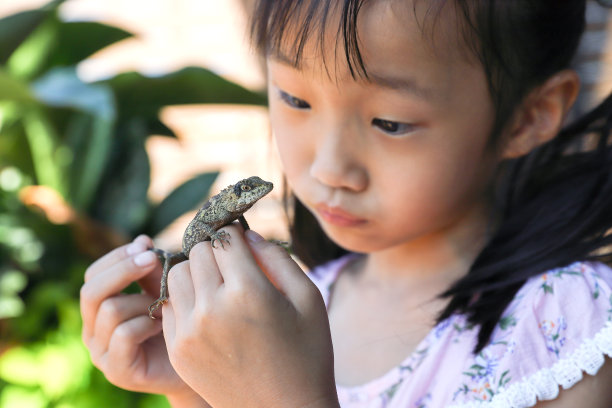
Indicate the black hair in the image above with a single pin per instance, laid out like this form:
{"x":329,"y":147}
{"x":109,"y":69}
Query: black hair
{"x":554,"y":204}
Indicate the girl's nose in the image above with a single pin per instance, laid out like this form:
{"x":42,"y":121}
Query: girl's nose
{"x":337,"y":161}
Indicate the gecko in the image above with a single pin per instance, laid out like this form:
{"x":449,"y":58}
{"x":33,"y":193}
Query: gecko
{"x":220,"y":210}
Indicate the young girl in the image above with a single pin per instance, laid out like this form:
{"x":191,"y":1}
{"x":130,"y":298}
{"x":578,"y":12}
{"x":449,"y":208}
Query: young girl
{"x":456,"y":233}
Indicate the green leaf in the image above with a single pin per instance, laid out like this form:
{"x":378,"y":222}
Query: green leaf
{"x":121,"y":201}
{"x":79,"y":40}
{"x":138,"y":95}
{"x":12,"y":89}
{"x":157,"y":127}
{"x":15,"y":28}
{"x":91,"y":145}
{"x":43,"y":142}
{"x":184,"y":198}
{"x":61,"y":87}
{"x":90,"y":141}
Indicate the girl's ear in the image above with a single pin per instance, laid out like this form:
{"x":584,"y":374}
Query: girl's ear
{"x":540,"y":117}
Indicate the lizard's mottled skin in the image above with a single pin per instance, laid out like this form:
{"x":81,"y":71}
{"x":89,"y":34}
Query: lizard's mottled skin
{"x":224,"y":208}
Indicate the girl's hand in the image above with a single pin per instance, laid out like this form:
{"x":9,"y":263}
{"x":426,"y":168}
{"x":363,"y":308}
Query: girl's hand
{"x":124,"y":343}
{"x":245,"y":327}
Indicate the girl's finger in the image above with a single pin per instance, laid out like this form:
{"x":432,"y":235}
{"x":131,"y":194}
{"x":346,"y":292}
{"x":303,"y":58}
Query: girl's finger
{"x":169,"y":324}
{"x":286,"y":275}
{"x":236,"y":262}
{"x":116,"y":278}
{"x":204,"y":272}
{"x":116,"y":310}
{"x":180,"y":290}
{"x":139,"y":245}
{"x":125,"y":342}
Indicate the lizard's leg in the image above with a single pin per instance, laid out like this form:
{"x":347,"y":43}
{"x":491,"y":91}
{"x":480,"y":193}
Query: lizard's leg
{"x":243,"y":222}
{"x":170,"y":259}
{"x":220,"y":236}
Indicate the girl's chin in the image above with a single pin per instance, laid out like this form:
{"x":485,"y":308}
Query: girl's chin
{"x":351,"y":241}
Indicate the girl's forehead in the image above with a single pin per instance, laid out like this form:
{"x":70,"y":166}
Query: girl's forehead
{"x":386,"y":33}
{"x":392,"y":37}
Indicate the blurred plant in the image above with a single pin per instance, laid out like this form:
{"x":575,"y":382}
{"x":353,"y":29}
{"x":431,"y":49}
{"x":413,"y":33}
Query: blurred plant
{"x":74,"y":175}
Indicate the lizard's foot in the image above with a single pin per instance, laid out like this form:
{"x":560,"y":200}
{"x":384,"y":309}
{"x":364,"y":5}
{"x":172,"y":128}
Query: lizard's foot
{"x":156,"y":305}
{"x":220,"y":236}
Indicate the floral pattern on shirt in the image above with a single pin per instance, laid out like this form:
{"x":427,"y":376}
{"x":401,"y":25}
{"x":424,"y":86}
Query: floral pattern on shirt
{"x":544,"y":323}
{"x":554,"y":333}
{"x":485,"y":381}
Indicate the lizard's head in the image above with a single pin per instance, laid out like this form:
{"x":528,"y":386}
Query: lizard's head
{"x":246,"y":193}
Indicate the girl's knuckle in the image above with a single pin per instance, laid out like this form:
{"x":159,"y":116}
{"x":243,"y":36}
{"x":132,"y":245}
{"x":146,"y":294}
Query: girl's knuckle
{"x":124,"y":333}
{"x":203,"y":311}
{"x":88,"y":273}
{"x":86,"y":293}
{"x":138,"y":377}
{"x":96,"y":359}
{"x":240,"y":297}
{"x":111,"y":309}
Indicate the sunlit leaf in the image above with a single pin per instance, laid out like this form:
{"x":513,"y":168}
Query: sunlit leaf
{"x":43,"y":142}
{"x":11,"y":306}
{"x":62,"y":366}
{"x":14,"y":396}
{"x":20,"y":366}
{"x":31,"y":57}
{"x":12,"y":281}
{"x":13,"y":89}
{"x":15,"y":28}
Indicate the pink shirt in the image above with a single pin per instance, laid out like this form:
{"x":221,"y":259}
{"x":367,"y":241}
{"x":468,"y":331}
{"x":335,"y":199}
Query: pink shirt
{"x":558,"y":327}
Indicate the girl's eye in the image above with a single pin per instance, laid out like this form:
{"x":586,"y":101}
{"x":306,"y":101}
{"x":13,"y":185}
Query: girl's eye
{"x":392,"y":128}
{"x":293,"y":102}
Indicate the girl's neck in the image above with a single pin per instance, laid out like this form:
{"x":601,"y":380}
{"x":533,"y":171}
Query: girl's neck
{"x":436,"y":259}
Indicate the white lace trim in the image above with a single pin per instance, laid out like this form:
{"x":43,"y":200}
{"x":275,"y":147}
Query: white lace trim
{"x":544,"y":384}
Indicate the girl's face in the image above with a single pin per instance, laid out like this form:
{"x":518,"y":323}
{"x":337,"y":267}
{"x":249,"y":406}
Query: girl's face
{"x":398,"y":157}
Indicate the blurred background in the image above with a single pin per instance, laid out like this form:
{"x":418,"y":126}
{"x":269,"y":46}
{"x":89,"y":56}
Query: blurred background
{"x":116,"y":118}
{"x":119,"y":118}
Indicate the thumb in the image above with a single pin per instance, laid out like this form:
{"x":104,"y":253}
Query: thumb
{"x":281,"y":269}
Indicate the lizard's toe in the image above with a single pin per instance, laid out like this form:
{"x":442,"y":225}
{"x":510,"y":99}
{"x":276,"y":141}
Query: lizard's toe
{"x":156,"y":305}
{"x":222,"y":237}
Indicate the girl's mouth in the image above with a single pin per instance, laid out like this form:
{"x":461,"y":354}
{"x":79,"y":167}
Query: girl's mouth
{"x":337,"y":216}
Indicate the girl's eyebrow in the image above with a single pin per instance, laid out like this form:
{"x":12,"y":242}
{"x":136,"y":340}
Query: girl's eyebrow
{"x":402,"y":84}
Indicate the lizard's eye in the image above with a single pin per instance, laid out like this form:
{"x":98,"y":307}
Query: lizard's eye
{"x":245,"y":187}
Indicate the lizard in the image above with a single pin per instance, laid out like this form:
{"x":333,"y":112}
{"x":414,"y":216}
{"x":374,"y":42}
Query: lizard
{"x":220,"y":210}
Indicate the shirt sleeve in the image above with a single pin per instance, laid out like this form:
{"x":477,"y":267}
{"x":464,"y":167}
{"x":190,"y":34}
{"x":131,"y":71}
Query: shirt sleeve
{"x":558,"y":327}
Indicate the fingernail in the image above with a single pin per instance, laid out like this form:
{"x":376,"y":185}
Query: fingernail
{"x":136,"y":248}
{"x":146,"y":258}
{"x":253,"y":237}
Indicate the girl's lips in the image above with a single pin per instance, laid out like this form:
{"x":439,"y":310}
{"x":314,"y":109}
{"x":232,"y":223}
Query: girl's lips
{"x":337,"y":216}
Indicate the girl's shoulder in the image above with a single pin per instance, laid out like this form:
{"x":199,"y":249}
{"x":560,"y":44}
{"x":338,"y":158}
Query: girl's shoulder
{"x":558,"y":327}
